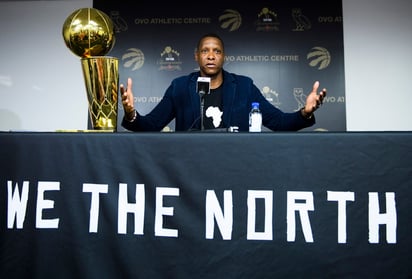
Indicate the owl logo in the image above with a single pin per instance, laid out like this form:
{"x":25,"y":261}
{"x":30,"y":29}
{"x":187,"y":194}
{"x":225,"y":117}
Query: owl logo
{"x":319,"y":57}
{"x":300,"y":97}
{"x":120,"y":25}
{"x":133,"y":58}
{"x":230,"y":19}
{"x":302,"y":21}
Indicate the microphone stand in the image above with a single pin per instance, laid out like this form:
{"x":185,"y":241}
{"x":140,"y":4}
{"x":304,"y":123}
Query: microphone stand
{"x":202,"y":104}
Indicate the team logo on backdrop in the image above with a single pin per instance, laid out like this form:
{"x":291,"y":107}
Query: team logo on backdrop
{"x":271,"y":95}
{"x":169,"y":60}
{"x":267,"y":21}
{"x":319,"y":57}
{"x":133,"y":59}
{"x":120,"y":25}
{"x":302,"y":22}
{"x":231,"y":19}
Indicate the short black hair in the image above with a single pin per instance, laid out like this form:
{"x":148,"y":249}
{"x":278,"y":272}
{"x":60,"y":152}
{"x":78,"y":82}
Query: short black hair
{"x":213,"y":35}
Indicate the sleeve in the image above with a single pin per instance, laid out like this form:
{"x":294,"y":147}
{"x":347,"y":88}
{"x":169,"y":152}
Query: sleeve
{"x":277,"y":120}
{"x":155,"y":120}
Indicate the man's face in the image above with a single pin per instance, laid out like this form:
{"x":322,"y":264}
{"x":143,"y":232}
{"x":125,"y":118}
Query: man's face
{"x":210,"y":56}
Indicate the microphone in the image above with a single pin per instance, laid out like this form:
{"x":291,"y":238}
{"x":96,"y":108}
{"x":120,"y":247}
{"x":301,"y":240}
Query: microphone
{"x":202,"y":88}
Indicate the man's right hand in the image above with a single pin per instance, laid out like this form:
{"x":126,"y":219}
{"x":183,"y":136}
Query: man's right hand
{"x":128,"y":99}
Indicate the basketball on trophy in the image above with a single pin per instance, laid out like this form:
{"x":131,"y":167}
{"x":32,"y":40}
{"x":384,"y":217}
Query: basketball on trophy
{"x":89,"y":32}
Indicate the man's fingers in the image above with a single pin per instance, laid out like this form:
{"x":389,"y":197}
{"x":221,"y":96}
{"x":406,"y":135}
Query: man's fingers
{"x":322,"y":95}
{"x":315,"y":86}
{"x":129,"y":84}
{"x":318,"y":103}
{"x":127,"y":96}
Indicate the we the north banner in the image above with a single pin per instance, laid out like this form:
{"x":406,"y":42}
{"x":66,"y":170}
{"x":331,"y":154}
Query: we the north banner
{"x":162,"y":205}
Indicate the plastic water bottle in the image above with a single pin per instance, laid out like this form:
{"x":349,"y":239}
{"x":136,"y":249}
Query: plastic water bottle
{"x":255,"y":118}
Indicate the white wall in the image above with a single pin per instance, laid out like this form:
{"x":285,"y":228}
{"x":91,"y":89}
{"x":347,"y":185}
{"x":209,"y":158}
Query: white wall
{"x":42,"y":89}
{"x":41,"y":83}
{"x":378,"y":64}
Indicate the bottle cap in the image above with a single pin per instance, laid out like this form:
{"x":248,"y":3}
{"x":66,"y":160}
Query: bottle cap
{"x":255,"y":104}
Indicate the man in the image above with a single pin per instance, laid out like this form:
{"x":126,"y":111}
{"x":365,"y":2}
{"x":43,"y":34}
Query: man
{"x":227,"y":105}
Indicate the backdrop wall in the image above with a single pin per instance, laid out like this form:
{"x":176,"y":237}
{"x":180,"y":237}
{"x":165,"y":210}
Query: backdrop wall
{"x":283,"y":47}
{"x":42,"y":88}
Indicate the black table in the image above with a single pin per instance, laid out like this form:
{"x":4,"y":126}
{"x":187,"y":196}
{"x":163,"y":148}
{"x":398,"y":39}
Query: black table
{"x":205,"y":205}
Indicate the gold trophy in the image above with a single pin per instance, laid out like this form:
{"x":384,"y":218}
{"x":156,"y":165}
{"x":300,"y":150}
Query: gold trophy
{"x":89,"y":34}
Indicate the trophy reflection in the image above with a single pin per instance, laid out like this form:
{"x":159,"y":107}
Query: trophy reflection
{"x":89,"y":34}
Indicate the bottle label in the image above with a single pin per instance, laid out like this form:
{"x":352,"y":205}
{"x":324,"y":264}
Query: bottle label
{"x":255,"y":124}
